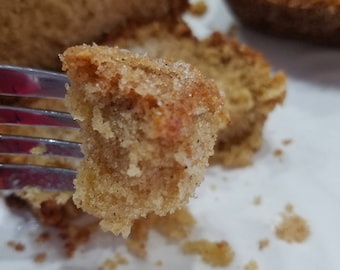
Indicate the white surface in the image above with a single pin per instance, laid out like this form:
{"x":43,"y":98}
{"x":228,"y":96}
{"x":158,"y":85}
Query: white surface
{"x":308,"y":176}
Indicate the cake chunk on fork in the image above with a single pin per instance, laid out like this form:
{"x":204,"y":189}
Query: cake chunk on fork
{"x":149,"y":127}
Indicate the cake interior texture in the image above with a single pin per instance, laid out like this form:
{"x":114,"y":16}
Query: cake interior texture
{"x":149,"y":127}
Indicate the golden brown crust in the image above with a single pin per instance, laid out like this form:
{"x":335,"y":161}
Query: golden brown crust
{"x":149,"y":127}
{"x":34,"y":32}
{"x":251,"y":91}
{"x":316,"y":20}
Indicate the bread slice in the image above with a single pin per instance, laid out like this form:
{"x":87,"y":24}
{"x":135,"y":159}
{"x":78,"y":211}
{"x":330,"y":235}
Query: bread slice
{"x":251,"y":91}
{"x":149,"y":127}
{"x":313,"y":20}
{"x":34,"y":32}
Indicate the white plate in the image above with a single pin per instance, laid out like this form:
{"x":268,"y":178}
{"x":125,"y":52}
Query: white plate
{"x":307,"y":175}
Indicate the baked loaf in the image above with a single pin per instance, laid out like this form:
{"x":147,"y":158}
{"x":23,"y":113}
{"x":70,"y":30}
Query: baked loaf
{"x":33,"y":32}
{"x":149,"y":127}
{"x":314,"y":20}
{"x":251,"y":92}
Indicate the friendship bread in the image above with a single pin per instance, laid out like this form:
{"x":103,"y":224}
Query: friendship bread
{"x":148,"y":127}
{"x":33,"y":32}
{"x":251,"y":91}
{"x":314,"y":20}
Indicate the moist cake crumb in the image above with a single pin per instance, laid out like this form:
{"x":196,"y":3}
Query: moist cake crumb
{"x":257,"y":200}
{"x":17,"y":246}
{"x":293,"y":227}
{"x":198,"y":8}
{"x":251,"y":265}
{"x":150,"y":127}
{"x":263,"y":243}
{"x":213,"y":253}
{"x":40,"y":257}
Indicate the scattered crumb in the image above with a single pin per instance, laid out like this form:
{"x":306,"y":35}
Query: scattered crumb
{"x":257,"y":200}
{"x":278,"y":152}
{"x":42,"y":238}
{"x":159,"y":263}
{"x":17,"y":246}
{"x":74,"y":236}
{"x":263,"y":243}
{"x":213,"y":187}
{"x":111,"y":264}
{"x":287,"y":141}
{"x":198,"y":8}
{"x":251,"y":265}
{"x":38,"y":150}
{"x":213,"y":253}
{"x":59,"y":216}
{"x":40,"y":257}
{"x":289,"y":208}
{"x":293,"y":227}
{"x":108,"y":265}
{"x":176,"y":226}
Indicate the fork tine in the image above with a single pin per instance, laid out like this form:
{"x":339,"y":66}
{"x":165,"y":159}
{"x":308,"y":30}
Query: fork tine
{"x":27,"y":116}
{"x":10,"y":144}
{"x":19,"y":81}
{"x":17,"y":176}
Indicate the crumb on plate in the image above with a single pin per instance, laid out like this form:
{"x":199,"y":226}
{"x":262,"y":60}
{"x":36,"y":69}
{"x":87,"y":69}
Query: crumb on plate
{"x":111,"y":264}
{"x":17,"y":246}
{"x":287,"y":141}
{"x":257,"y":200}
{"x":289,"y":208}
{"x":213,"y":253}
{"x":176,"y":226}
{"x":213,"y":187}
{"x":159,"y":263}
{"x":251,"y":265}
{"x":263,"y":243}
{"x":293,"y":227}
{"x":198,"y":8}
{"x":43,"y":237}
{"x":40,"y":257}
{"x":278,"y":152}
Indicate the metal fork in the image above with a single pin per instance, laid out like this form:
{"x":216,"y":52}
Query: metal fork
{"x":27,"y":82}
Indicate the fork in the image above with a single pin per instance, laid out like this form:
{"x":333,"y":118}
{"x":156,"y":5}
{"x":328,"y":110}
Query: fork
{"x":27,"y":82}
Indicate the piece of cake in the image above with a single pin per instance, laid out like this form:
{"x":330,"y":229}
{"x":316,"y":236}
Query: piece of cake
{"x":251,"y":90}
{"x":148,"y":126}
{"x":313,"y":20}
{"x":34,"y":32}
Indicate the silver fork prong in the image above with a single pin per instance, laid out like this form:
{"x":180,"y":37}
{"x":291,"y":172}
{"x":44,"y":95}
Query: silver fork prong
{"x":19,"y":81}
{"x":17,"y":176}
{"x":10,"y":144}
{"x":27,"y":116}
